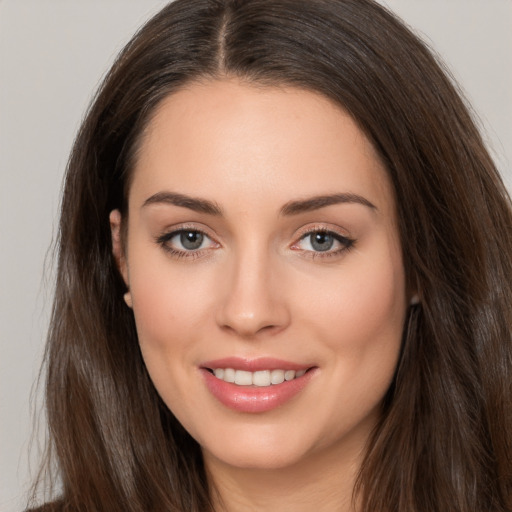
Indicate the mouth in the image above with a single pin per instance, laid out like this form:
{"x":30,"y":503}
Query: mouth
{"x":260,"y":378}
{"x":257,"y":385}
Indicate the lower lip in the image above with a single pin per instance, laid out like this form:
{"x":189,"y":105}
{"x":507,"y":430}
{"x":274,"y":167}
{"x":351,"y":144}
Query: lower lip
{"x":254,"y":399}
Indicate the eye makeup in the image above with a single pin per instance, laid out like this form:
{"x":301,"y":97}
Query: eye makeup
{"x":192,"y":242}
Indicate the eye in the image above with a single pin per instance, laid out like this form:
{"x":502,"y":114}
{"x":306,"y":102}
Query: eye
{"x":185,"y":242}
{"x":320,"y":241}
{"x":323,"y":241}
{"x":188,"y":240}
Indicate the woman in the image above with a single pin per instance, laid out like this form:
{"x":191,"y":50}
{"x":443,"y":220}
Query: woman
{"x":284,"y":274}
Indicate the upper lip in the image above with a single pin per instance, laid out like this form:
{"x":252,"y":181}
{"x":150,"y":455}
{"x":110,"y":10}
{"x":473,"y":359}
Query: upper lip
{"x":254,"y":365}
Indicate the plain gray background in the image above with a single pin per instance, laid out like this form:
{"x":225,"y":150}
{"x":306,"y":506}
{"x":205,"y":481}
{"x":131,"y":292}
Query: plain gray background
{"x":52,"y":55}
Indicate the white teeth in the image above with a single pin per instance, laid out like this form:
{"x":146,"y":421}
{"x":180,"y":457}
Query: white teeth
{"x":229,"y":375}
{"x":243,"y":378}
{"x":277,"y":376}
{"x":289,"y":375}
{"x":260,"y":378}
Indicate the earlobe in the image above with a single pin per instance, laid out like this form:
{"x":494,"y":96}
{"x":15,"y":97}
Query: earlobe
{"x":128,"y":299}
{"x":117,"y":245}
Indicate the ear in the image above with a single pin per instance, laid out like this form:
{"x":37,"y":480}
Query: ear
{"x":117,"y":244}
{"x":415,"y":300}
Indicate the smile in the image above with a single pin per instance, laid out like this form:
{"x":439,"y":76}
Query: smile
{"x":256,"y":385}
{"x":260,"y":378}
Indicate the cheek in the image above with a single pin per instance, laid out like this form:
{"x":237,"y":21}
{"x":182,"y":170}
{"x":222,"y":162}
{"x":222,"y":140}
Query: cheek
{"x":360,"y":309}
{"x":358,"y":315}
{"x":170,"y":308}
{"x":168,"y":304}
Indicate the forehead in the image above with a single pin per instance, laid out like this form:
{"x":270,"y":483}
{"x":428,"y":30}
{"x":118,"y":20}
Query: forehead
{"x":233,"y":140}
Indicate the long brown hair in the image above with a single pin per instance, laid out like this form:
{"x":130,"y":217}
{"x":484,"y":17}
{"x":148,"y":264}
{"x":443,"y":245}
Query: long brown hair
{"x":444,"y":441}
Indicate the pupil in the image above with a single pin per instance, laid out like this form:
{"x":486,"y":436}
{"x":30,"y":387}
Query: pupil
{"x":191,"y":240}
{"x":322,"y":241}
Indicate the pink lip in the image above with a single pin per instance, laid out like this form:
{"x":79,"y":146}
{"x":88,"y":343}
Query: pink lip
{"x":254,"y":365}
{"x":254,"y":399}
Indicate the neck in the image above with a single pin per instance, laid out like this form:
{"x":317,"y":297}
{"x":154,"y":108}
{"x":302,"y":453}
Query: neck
{"x":323,"y":482}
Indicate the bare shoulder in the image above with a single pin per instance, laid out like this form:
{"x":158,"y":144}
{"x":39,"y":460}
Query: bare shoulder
{"x":55,"y":506}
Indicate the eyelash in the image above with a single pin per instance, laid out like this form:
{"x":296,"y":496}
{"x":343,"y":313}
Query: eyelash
{"x":164,"y":239}
{"x":346,"y":243}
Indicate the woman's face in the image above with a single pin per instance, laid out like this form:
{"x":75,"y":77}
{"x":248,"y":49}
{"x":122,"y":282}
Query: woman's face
{"x":262,"y":246}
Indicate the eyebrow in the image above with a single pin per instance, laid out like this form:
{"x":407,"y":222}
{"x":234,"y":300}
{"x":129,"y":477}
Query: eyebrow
{"x":291,"y":208}
{"x":192,"y":203}
{"x":317,"y":202}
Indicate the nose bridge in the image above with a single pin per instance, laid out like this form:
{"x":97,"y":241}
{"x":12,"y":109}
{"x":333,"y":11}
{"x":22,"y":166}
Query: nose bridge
{"x":253,"y":300}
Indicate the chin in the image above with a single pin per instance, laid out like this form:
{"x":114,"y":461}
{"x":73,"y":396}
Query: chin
{"x":254,"y":459}
{"x":260,"y":448}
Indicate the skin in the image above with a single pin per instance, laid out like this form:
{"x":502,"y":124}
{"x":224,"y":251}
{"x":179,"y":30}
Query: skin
{"x":257,"y":286}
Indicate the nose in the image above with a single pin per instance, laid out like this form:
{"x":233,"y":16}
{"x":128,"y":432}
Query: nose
{"x":253,"y":297}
